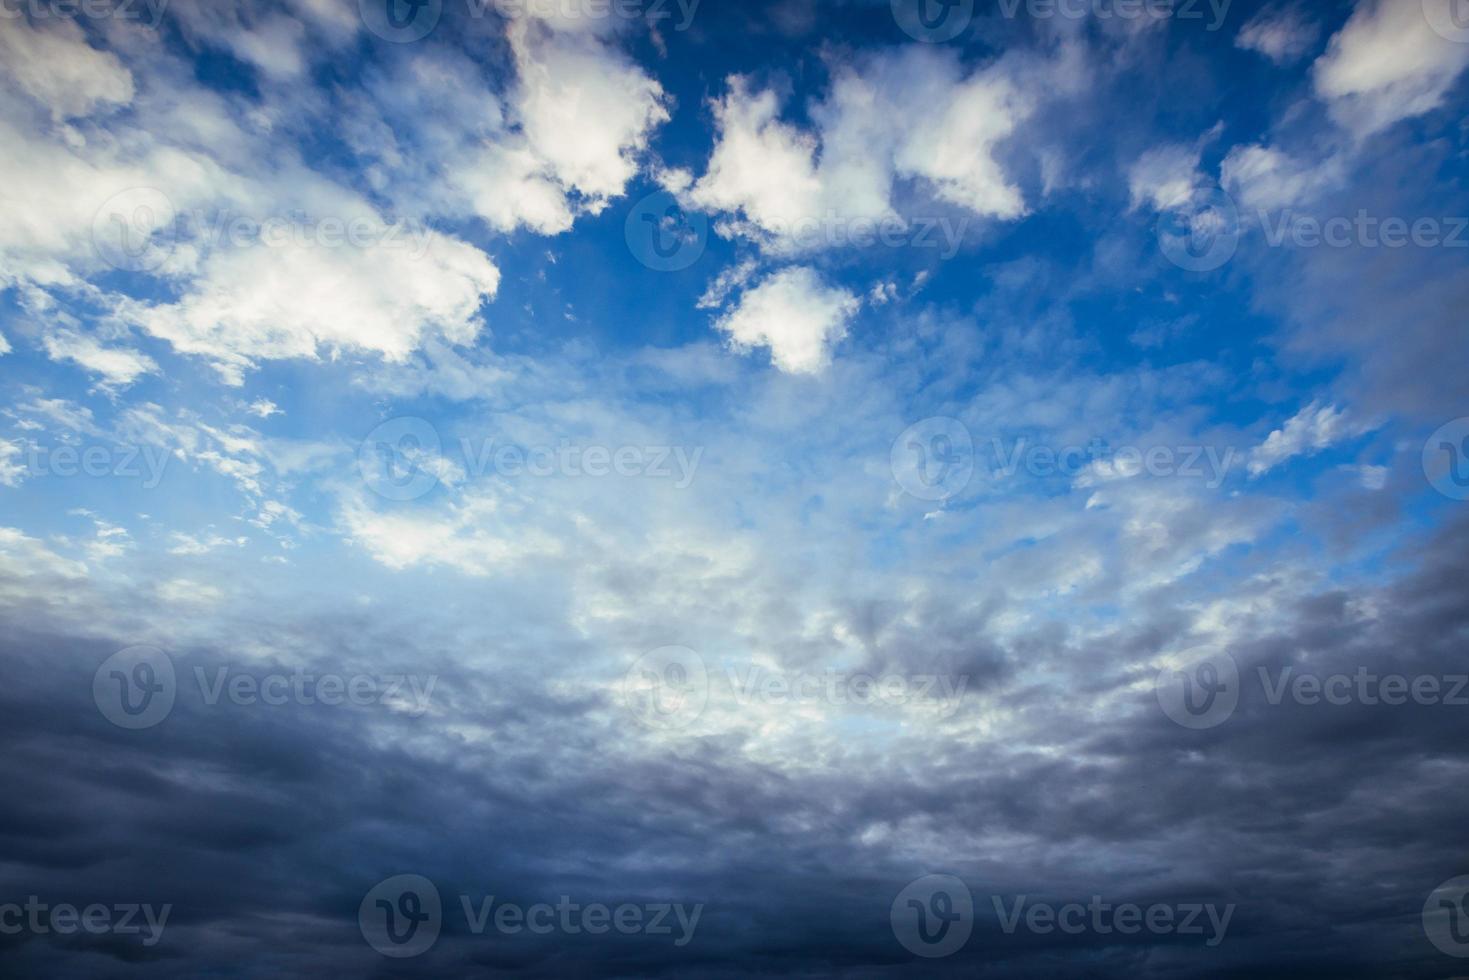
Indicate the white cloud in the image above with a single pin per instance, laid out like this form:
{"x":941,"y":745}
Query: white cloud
{"x":1386,"y":64}
{"x":914,"y":115}
{"x":11,"y":472}
{"x":1309,"y":431}
{"x":1165,"y":177}
{"x":1265,"y":178}
{"x":263,"y":408}
{"x":52,"y":62}
{"x":794,"y":314}
{"x":288,"y":302}
{"x":118,"y":366}
{"x":1282,"y":35}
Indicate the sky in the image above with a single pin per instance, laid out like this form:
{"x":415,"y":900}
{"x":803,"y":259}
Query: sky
{"x":661,"y":488}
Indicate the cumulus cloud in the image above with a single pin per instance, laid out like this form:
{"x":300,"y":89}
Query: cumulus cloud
{"x":1282,"y":34}
{"x":1312,"y":429}
{"x":1385,"y":65}
{"x":793,"y":313}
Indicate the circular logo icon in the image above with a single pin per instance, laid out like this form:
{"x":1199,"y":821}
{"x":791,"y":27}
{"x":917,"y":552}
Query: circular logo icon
{"x":400,"y":21}
{"x":135,"y":688}
{"x":933,"y":21}
{"x":1446,"y":917}
{"x":1202,"y":235}
{"x":666,"y":688}
{"x":399,"y":459}
{"x":135,"y":230}
{"x":1446,"y":459}
{"x":1448,"y":18}
{"x":1202,"y":694}
{"x":401,"y":916}
{"x":933,"y":459}
{"x":933,"y":916}
{"x":662,"y":235}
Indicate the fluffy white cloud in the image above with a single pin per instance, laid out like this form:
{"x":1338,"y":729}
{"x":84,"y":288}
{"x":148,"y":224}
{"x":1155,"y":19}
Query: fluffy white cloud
{"x":1386,"y":64}
{"x":118,"y":366}
{"x":794,"y":314}
{"x":1281,"y":34}
{"x":1165,"y":177}
{"x":52,"y":63}
{"x":1310,"y":430}
{"x":1264,"y":177}
{"x":284,"y":302}
{"x":914,"y":115}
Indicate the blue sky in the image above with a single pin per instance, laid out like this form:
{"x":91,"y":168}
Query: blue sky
{"x":1046,"y":352}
